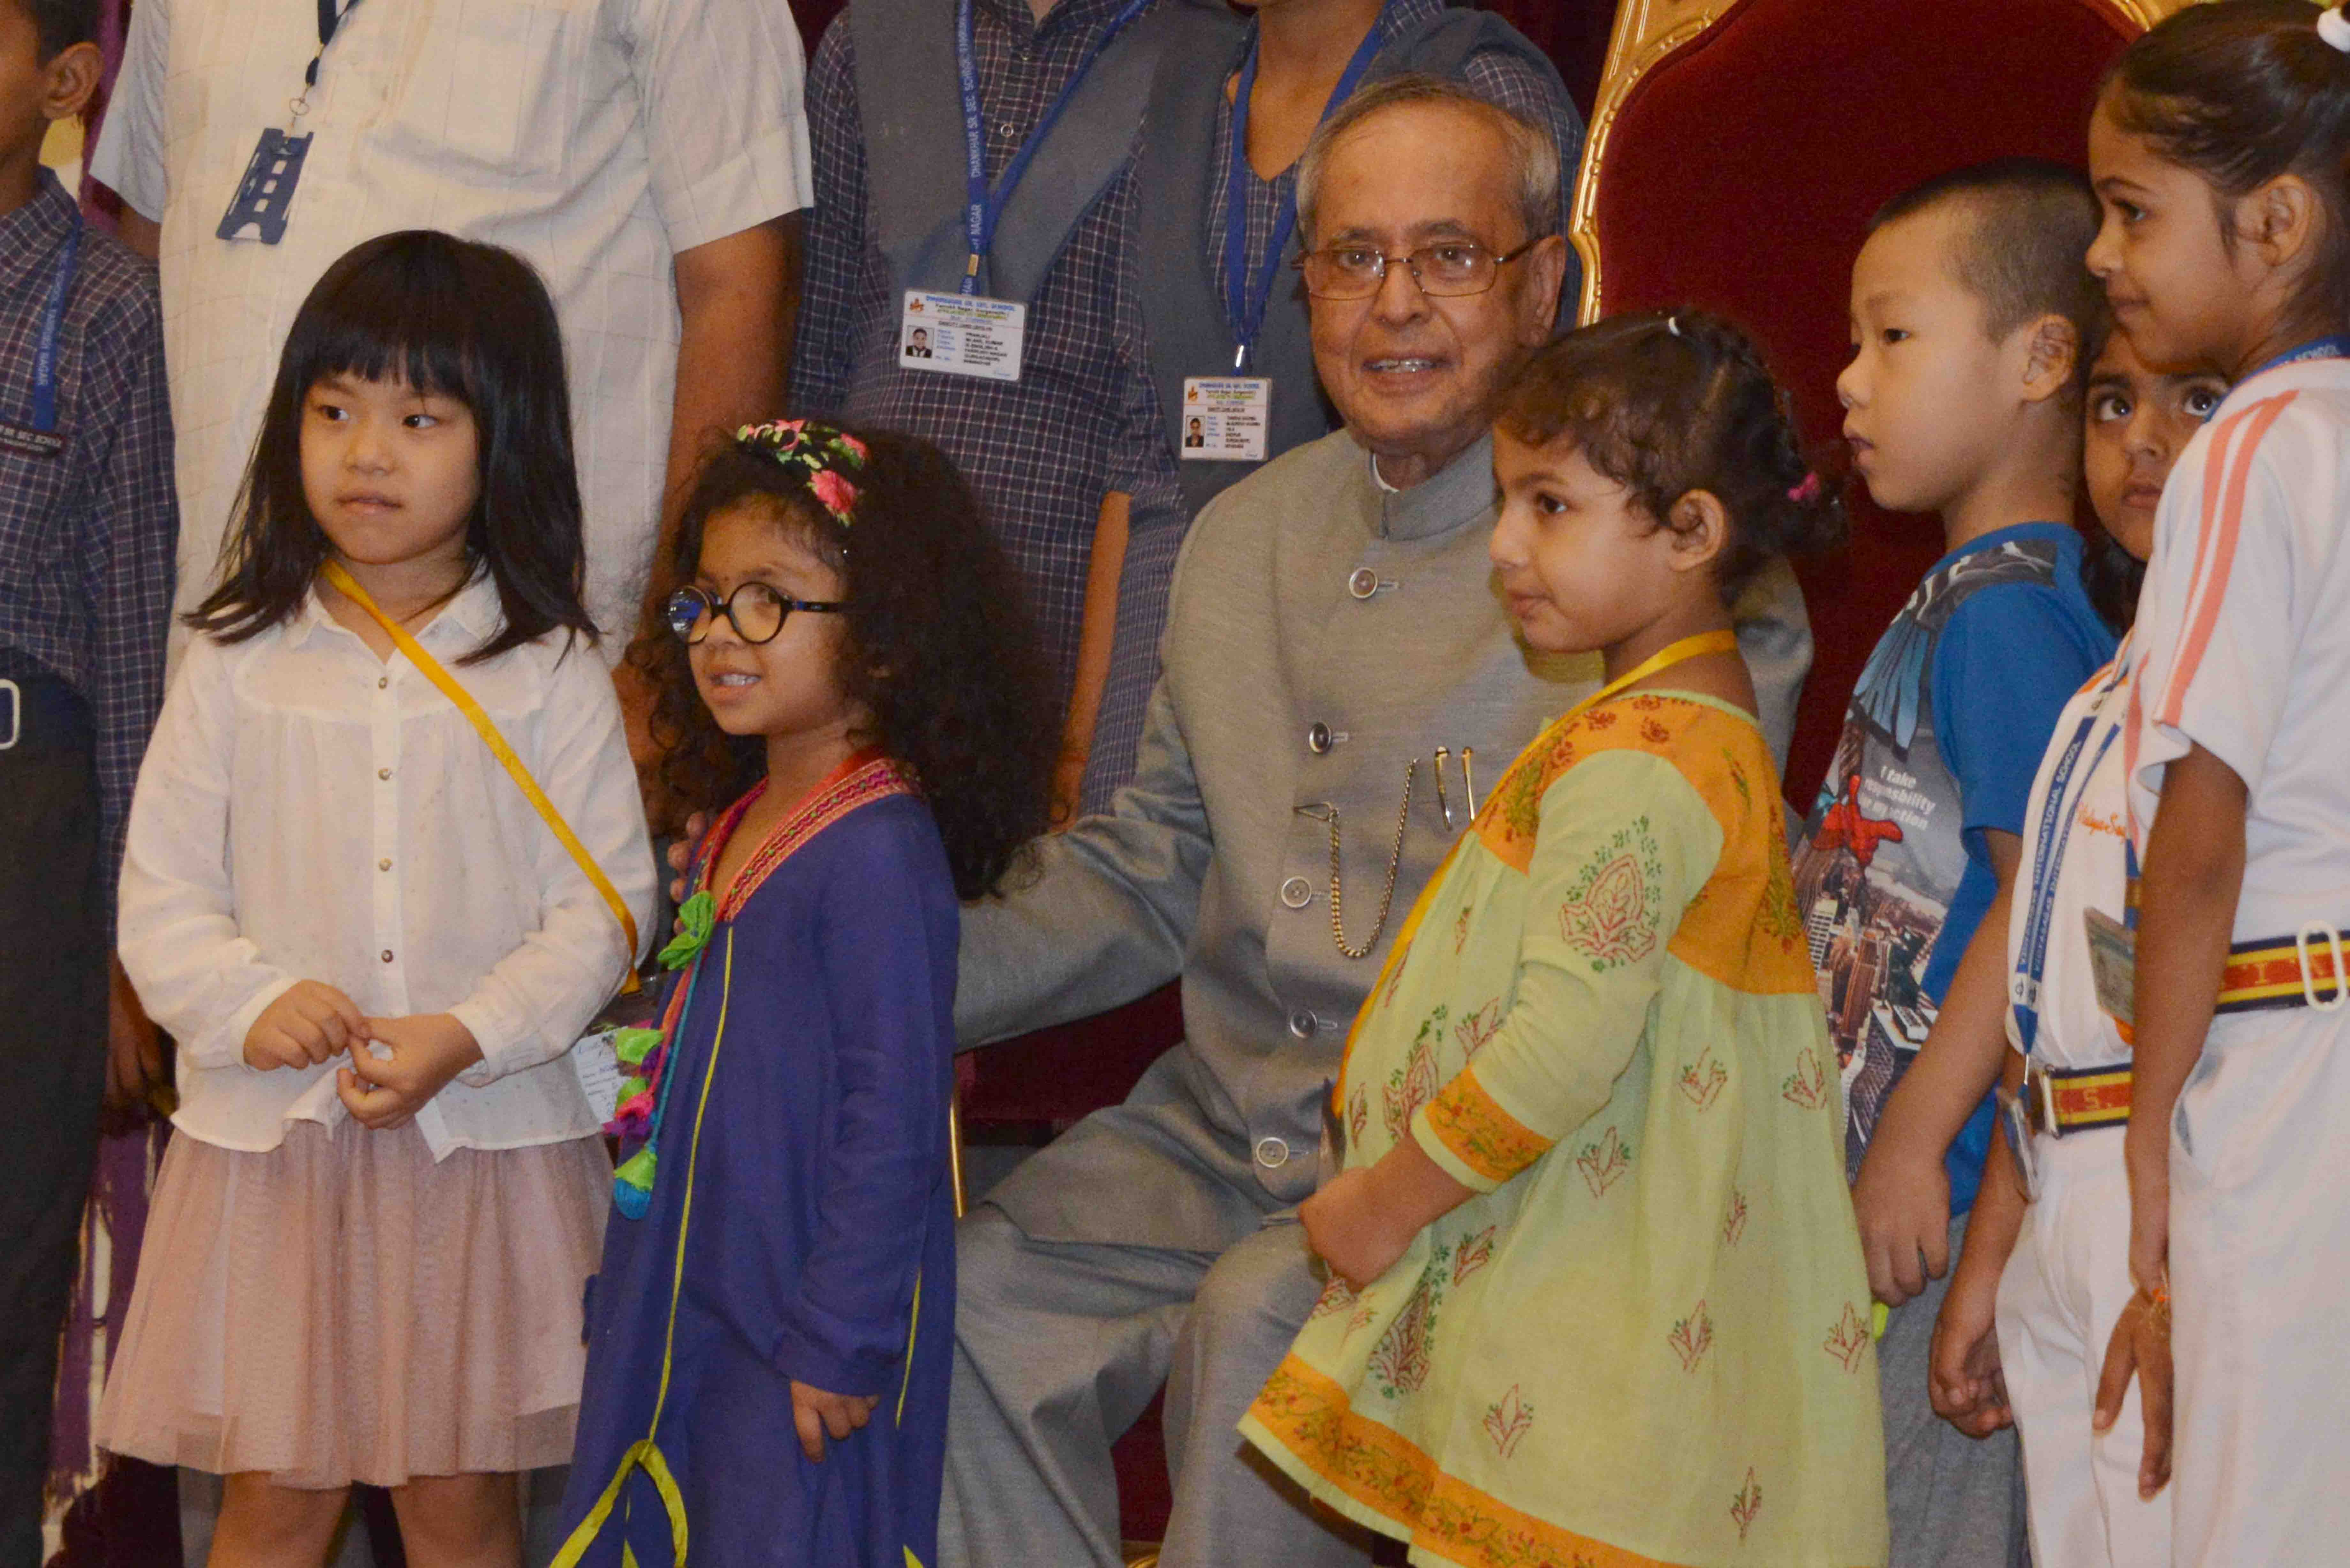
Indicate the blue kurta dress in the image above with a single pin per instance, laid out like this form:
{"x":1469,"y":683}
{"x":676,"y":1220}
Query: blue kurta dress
{"x":800,"y":1218}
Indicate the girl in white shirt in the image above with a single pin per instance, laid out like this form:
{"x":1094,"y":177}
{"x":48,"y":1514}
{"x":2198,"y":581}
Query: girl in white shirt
{"x":369,"y":1238}
{"x":2217,"y":148}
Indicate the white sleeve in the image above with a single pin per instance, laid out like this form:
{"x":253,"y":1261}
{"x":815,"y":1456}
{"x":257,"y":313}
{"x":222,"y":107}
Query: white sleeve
{"x":723,"y":85}
{"x":2240,"y":551}
{"x":532,"y":1003}
{"x":129,"y":158}
{"x":195,"y":971}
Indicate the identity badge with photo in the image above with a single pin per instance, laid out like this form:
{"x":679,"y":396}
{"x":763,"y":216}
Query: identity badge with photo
{"x":1224,"y":418}
{"x":2113,"y":964}
{"x":961,"y":335}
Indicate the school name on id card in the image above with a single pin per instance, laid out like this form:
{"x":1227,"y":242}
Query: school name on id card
{"x":961,"y":335}
{"x":1224,"y":418}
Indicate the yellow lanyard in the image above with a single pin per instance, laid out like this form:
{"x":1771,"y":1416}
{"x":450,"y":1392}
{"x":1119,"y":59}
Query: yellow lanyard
{"x":430,"y":668}
{"x":1687,"y":648}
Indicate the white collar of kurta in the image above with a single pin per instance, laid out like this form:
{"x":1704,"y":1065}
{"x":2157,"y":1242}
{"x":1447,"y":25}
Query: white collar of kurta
{"x":475,"y":614}
{"x":1456,"y":495}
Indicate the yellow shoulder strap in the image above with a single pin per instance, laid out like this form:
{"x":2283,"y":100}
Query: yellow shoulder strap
{"x":431,"y":668}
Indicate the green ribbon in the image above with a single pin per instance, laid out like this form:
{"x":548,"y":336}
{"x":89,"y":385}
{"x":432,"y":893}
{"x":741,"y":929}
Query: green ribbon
{"x":696,"y":919}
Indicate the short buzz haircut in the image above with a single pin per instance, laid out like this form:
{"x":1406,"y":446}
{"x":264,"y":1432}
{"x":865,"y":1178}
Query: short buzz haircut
{"x":62,"y":23}
{"x":2024,"y":251}
{"x":1534,"y":151}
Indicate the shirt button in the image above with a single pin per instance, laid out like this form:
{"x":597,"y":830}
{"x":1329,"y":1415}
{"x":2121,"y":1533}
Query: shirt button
{"x":383,"y":772}
{"x":1271,"y":1152}
{"x":387,"y":955}
{"x":1303,"y":1024}
{"x":381,"y":682}
{"x":1297,"y":892}
{"x":1317,"y":737}
{"x":1364,"y":583}
{"x":384,"y":864}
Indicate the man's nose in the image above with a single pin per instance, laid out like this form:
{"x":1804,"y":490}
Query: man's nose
{"x":1400,"y":297}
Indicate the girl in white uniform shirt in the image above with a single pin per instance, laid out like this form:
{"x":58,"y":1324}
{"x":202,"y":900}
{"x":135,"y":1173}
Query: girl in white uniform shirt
{"x":2218,"y":147}
{"x":2059,"y":1270}
{"x":370,"y":1236}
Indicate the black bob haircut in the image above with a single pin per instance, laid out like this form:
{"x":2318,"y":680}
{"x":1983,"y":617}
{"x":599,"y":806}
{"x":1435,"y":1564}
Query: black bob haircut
{"x":452,"y":319}
{"x":2030,"y":223}
{"x":62,"y":23}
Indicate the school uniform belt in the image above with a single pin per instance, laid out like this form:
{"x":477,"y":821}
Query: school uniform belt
{"x":2306,"y":970}
{"x":2060,"y":1100}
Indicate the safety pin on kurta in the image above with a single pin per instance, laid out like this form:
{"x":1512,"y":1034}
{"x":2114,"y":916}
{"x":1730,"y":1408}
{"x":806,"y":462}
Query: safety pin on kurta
{"x":1468,"y":786}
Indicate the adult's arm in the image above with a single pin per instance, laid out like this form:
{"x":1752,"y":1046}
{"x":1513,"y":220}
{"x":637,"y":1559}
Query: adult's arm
{"x":142,"y":234}
{"x":1108,"y":914}
{"x":737,"y":298}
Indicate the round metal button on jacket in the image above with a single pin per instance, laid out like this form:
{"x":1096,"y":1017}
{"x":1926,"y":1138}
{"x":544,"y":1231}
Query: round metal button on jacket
{"x":1364,"y":583}
{"x":1297,"y":892}
{"x":1303,"y":1024}
{"x":1271,"y":1152}
{"x":1317,"y":737}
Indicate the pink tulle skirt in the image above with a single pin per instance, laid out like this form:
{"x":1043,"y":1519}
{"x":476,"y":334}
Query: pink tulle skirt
{"x":342,"y":1308}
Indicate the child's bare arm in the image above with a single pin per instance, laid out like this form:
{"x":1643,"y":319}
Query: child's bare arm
{"x":1963,"y":1377}
{"x":1902,"y":1198}
{"x":1361,"y":1221}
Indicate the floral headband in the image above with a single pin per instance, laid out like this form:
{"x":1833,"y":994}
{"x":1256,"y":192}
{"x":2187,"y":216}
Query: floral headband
{"x":816,"y":449}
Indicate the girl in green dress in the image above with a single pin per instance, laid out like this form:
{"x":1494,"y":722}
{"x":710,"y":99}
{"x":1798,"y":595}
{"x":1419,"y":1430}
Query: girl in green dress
{"x":1596,"y":1296}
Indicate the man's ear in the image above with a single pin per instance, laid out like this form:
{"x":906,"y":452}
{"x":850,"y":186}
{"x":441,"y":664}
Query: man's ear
{"x":2052,"y":355}
{"x":1700,"y":526}
{"x":1545,"y":267}
{"x":68,"y":80}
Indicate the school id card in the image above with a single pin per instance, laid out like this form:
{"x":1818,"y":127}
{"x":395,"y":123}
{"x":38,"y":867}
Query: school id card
{"x":1224,"y":418}
{"x":961,"y":335}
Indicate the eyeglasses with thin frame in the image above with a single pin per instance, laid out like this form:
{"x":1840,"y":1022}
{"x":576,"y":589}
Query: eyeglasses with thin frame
{"x":757,"y":610}
{"x":1446,"y":269}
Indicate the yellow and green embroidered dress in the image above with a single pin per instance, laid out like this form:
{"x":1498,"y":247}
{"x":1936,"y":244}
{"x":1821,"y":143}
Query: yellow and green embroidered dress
{"x":1646,"y":1341}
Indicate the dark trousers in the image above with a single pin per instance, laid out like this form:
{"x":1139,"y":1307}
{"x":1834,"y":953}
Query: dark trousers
{"x":53,"y":988}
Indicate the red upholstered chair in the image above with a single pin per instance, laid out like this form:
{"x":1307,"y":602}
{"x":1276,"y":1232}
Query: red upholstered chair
{"x":1738,"y":149}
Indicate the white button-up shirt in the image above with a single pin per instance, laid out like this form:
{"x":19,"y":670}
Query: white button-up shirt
{"x":309,"y":812}
{"x":597,"y":138}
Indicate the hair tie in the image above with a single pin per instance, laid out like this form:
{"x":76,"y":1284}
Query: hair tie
{"x":1673,"y":325}
{"x":817,"y":449}
{"x":2334,"y":29}
{"x":1807,"y":491}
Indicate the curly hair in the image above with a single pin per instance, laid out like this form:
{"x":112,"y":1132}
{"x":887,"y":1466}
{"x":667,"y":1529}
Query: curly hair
{"x":1667,"y":403}
{"x":939,"y":649}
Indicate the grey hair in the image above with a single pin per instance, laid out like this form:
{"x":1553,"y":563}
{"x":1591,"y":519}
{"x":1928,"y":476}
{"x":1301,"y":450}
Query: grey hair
{"x":1534,"y":151}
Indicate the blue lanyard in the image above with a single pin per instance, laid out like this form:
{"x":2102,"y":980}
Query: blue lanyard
{"x":52,"y":321}
{"x":1245,"y":297}
{"x":2335,"y":347}
{"x":2056,"y":814}
{"x":982,"y":207}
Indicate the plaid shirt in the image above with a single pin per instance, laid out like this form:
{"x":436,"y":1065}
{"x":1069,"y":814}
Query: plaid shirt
{"x":1081,"y":421}
{"x":86,"y":536}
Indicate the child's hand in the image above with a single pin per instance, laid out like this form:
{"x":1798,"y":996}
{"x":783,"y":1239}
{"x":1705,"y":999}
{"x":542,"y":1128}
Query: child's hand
{"x":1903,"y":1205}
{"x":428,"y":1049}
{"x":681,"y":854}
{"x":1350,"y":1231}
{"x":311,"y":1022}
{"x":1962,"y":1376}
{"x":2140,"y":1346}
{"x":816,"y":1412}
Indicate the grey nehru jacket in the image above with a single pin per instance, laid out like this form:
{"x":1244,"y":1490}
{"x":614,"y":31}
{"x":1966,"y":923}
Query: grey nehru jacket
{"x":1322,"y":633}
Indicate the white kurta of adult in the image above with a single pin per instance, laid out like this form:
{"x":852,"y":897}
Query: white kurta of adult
{"x":596,"y":138}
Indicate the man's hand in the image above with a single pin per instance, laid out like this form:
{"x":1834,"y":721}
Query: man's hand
{"x":2140,"y":1347}
{"x":428,"y":1049}
{"x":1903,"y":1205}
{"x":134,"y":1052}
{"x":1962,"y":1377}
{"x":1351,"y":1231}
{"x":816,"y":1413}
{"x":311,"y":1022}
{"x":681,"y":854}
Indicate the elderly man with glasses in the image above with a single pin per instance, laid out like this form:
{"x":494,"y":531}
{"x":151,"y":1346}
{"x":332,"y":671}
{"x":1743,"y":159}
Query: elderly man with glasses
{"x":1340,"y":683}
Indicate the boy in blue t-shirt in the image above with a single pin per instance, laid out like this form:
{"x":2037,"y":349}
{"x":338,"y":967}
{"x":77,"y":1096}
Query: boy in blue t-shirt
{"x":1970,"y":310}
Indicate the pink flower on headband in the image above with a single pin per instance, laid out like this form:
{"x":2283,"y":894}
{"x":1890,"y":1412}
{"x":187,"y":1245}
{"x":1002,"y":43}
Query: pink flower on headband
{"x":854,"y":445}
{"x":1808,"y":490}
{"x":838,"y":495}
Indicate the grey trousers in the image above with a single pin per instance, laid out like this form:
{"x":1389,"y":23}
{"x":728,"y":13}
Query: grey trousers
{"x":1954,"y":1502}
{"x":1060,"y":1346}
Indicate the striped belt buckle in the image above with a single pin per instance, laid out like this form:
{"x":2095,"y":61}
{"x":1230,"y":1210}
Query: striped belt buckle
{"x":2060,"y":1100}
{"x":2287,"y":972}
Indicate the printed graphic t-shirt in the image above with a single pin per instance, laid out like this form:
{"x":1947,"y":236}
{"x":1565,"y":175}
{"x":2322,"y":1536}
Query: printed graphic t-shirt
{"x":1941,"y":745}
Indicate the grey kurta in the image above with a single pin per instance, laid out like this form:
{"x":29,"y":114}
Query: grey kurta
{"x":1208,"y":865}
